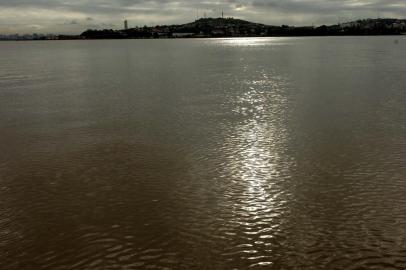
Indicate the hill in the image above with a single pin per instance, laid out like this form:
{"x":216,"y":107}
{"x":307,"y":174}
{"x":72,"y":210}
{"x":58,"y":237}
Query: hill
{"x":230,"y":27}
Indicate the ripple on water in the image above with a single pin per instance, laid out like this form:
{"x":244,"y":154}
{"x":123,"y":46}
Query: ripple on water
{"x":257,"y":159}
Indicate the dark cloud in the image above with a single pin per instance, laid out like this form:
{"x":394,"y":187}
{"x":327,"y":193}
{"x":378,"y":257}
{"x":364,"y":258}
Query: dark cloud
{"x":18,"y":15}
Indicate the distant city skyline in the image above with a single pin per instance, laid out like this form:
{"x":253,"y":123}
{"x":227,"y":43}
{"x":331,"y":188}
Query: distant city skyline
{"x":72,"y":17}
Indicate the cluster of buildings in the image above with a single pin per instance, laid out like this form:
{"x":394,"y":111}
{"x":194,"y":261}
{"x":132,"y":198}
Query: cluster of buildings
{"x":376,"y":23}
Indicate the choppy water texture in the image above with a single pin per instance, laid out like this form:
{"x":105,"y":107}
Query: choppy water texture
{"x":274,"y":153}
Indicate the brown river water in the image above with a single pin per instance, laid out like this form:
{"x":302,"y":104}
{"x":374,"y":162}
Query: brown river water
{"x":256,"y":153}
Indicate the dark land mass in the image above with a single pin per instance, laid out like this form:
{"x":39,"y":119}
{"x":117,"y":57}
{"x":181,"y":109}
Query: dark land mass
{"x":230,"y":27}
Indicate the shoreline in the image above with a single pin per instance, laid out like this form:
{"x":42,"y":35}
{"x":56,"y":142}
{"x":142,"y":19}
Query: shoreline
{"x":194,"y":38}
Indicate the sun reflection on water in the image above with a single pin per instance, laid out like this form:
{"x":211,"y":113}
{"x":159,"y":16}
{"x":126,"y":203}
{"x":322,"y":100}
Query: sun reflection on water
{"x":258,"y":162}
{"x":252,"y":41}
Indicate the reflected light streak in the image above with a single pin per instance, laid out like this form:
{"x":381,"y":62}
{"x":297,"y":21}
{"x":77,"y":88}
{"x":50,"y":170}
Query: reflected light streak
{"x":259,"y":142}
{"x":251,"y":41}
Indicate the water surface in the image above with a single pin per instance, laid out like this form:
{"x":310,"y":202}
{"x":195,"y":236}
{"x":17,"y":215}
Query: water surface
{"x":274,"y":153}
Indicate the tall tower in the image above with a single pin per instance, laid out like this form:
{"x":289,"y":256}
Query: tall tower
{"x":125,"y":25}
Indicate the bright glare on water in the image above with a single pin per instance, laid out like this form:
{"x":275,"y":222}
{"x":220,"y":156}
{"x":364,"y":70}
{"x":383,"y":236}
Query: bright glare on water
{"x":260,"y":153}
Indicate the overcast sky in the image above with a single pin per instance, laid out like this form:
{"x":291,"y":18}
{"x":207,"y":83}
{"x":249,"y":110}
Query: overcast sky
{"x":74,"y":16}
